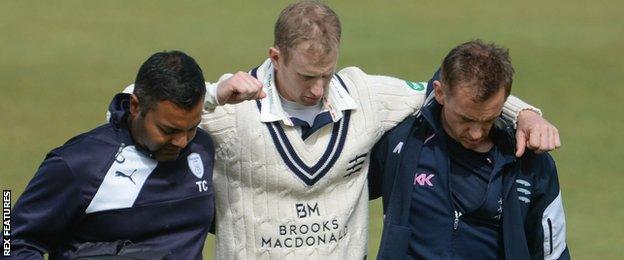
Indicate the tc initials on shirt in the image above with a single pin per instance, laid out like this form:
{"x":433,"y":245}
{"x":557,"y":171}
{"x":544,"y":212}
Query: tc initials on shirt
{"x":202,"y":185}
{"x":423,"y":179}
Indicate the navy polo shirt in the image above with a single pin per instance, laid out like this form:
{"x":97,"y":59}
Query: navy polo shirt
{"x":476,"y":191}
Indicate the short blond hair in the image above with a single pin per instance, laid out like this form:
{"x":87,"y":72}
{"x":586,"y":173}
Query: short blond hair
{"x":307,"y":21}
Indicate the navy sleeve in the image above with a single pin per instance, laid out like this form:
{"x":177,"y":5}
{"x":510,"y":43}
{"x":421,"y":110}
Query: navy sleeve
{"x":44,"y":212}
{"x":546,"y":225}
{"x":375,"y":169}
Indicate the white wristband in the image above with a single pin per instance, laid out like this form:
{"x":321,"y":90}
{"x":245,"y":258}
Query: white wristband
{"x":512,"y":108}
{"x":211,"y":101}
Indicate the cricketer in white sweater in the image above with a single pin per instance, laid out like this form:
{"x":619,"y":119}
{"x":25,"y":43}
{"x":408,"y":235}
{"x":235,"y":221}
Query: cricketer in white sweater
{"x":284,"y":191}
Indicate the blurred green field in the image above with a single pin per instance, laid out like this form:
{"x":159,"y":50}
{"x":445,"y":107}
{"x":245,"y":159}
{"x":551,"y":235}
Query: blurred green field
{"x":61,"y":62}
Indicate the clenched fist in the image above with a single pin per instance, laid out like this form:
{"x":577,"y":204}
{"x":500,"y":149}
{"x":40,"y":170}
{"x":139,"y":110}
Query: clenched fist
{"x":238,"y":88}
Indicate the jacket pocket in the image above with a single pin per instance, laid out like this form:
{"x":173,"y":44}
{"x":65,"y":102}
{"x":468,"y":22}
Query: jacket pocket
{"x":394,"y":242}
{"x":550,"y":235}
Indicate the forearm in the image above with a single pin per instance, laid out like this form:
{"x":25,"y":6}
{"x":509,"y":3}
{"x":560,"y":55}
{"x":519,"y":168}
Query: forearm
{"x":394,"y":99}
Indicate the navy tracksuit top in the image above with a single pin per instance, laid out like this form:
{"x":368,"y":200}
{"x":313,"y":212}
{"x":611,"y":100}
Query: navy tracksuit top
{"x":410,"y":168}
{"x":447,"y":195}
{"x":101,"y":187}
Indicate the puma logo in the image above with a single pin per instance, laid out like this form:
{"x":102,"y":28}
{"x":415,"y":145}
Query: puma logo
{"x":129,"y":176}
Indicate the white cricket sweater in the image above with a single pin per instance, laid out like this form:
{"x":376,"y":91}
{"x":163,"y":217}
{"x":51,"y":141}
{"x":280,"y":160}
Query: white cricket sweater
{"x":281,"y":197}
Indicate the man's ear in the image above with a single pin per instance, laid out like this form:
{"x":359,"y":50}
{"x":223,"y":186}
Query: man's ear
{"x":134,"y":106}
{"x":276,"y":57}
{"x":438,"y":91}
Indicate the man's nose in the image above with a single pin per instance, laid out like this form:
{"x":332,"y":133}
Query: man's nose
{"x":476,"y":132}
{"x":180,"y":140}
{"x":318,"y":88}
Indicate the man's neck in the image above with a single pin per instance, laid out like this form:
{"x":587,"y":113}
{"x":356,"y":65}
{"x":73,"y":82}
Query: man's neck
{"x":485,"y":146}
{"x":280,"y":91}
{"x":134,"y":135}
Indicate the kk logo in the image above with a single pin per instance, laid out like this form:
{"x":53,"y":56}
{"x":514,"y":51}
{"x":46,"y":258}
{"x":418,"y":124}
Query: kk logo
{"x":423,"y":179}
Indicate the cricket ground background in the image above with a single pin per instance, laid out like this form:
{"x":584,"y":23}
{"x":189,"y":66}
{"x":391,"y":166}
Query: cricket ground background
{"x":62,"y":61}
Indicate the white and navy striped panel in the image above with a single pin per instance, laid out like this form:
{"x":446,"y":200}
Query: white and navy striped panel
{"x":553,"y":224}
{"x":123,"y":181}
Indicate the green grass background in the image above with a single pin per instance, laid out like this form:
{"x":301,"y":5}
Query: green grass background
{"x":62,"y":61}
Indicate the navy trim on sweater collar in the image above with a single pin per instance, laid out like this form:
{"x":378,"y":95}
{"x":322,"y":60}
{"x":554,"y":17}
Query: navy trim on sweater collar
{"x":309,"y":174}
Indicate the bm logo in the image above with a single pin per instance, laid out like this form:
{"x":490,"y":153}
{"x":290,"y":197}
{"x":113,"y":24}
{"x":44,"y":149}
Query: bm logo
{"x":307,"y":210}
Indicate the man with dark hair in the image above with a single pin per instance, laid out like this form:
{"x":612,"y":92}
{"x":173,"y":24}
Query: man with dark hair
{"x":452,"y":187}
{"x":139,"y":187}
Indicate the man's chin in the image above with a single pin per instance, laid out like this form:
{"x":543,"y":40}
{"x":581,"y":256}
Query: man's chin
{"x":307,"y":101}
{"x":481,"y":146}
{"x":470,"y":145}
{"x":166,"y":157}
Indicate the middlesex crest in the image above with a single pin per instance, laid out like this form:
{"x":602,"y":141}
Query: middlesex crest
{"x":195,"y":164}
